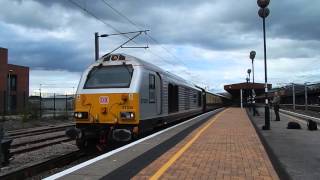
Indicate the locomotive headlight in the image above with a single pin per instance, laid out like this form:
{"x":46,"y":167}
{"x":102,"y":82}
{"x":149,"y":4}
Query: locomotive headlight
{"x":132,"y":115}
{"x":127,"y":115}
{"x":81,"y":115}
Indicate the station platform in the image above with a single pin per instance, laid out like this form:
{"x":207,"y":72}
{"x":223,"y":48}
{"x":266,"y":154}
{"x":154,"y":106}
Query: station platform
{"x":216,"y":145}
{"x":226,"y":147}
{"x":294,"y":152}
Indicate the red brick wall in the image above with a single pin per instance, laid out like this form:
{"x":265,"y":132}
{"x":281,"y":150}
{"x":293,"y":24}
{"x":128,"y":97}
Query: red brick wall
{"x":22,"y":74}
{"x":3,"y":75}
{"x":3,"y":68}
{"x":22,"y":91}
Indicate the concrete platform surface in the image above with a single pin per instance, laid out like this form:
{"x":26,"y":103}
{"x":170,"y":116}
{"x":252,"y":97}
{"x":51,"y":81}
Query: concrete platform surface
{"x":226,"y":147}
{"x":296,"y":153}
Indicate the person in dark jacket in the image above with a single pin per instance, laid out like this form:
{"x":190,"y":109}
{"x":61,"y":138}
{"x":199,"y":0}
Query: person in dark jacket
{"x":276,"y":103}
{"x":253,"y":105}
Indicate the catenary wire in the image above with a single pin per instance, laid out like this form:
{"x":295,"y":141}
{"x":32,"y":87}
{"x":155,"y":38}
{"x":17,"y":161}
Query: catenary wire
{"x":131,"y":22}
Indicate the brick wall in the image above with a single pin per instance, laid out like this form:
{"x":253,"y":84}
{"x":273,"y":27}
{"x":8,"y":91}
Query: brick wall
{"x":3,"y":75}
{"x":22,"y":74}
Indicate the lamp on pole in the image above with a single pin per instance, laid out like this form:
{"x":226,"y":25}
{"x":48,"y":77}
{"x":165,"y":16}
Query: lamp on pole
{"x":263,"y":13}
{"x":252,"y":56}
{"x":249,"y":72}
{"x":9,"y":90}
{"x":306,"y":95}
{"x":293,"y":97}
{"x":40,"y":102}
{"x":247,"y":91}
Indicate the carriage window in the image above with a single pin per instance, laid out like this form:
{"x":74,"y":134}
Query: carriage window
{"x":199,"y":98}
{"x":173,"y":98}
{"x":109,"y":77}
{"x":152,"y":87}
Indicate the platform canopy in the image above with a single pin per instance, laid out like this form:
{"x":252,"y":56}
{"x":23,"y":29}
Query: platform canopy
{"x":234,"y":89}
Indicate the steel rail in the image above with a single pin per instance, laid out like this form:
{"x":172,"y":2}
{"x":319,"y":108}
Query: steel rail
{"x":25,"y":172}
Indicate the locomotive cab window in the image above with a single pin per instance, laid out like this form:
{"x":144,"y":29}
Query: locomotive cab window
{"x":152,"y":87}
{"x":109,"y":77}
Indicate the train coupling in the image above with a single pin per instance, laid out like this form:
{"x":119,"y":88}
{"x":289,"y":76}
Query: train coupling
{"x":121,"y":134}
{"x":73,"y":133}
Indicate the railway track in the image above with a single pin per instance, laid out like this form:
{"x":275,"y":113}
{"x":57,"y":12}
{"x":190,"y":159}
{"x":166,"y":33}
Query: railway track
{"x":38,"y":144}
{"x":36,"y":168}
{"x":57,"y":161}
{"x":37,"y":131}
{"x":302,"y":107}
{"x":33,"y":139}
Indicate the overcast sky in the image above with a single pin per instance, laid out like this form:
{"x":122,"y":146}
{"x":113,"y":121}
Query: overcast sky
{"x":205,"y":41}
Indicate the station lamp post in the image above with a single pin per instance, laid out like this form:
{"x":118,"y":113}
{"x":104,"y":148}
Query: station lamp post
{"x":252,"y":56}
{"x":306,"y":95}
{"x":249,"y":91}
{"x":247,"y":88}
{"x":249,"y":72}
{"x":293,"y":97}
{"x":263,"y":13}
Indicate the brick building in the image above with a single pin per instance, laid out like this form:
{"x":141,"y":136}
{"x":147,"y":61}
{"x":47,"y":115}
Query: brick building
{"x":15,"y":101}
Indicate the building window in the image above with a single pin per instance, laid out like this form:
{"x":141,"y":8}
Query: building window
{"x":13,"y":82}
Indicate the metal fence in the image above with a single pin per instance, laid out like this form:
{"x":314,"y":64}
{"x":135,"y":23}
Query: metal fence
{"x":307,"y":95}
{"x":16,"y":103}
{"x":39,"y":105}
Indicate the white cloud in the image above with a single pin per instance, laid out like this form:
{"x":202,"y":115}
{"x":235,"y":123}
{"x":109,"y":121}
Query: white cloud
{"x":210,"y":40}
{"x":60,"y":82}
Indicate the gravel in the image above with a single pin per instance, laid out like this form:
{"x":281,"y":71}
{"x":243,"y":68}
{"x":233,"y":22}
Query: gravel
{"x":37,"y":137}
{"x":29,"y":158}
{"x":14,"y":124}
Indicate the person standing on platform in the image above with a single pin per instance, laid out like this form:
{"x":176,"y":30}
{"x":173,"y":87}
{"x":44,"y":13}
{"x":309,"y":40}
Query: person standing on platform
{"x":276,"y":103}
{"x":253,"y":105}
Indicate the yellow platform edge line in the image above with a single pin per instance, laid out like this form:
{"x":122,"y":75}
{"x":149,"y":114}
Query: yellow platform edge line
{"x":167,"y":165}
